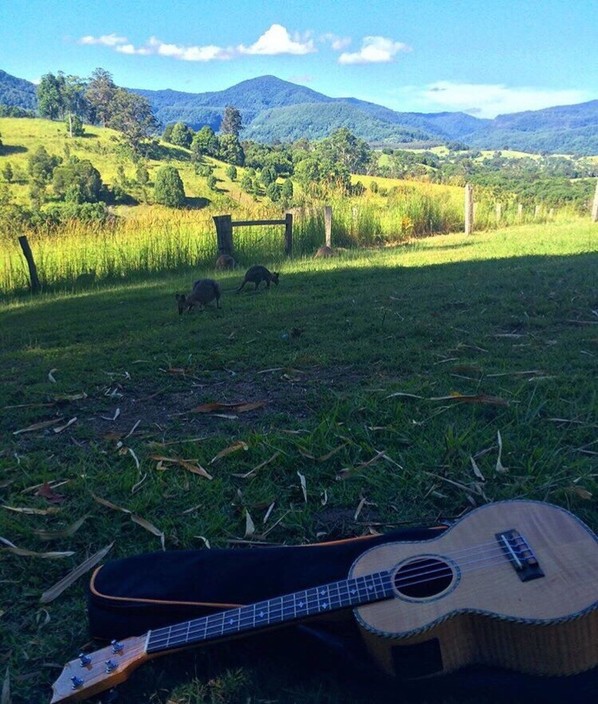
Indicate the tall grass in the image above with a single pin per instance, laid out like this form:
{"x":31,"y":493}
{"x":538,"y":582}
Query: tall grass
{"x":156,"y":239}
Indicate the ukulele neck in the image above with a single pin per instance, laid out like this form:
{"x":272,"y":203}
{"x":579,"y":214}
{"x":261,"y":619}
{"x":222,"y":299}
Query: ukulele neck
{"x":297,"y":606}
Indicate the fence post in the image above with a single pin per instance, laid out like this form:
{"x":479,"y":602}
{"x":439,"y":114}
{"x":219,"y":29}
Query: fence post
{"x":519,"y":211}
{"x":224,"y":234}
{"x":35,"y":285}
{"x":468,"y":209}
{"x":595,"y":205}
{"x":498,"y":209}
{"x":288,"y":234}
{"x":328,"y":224}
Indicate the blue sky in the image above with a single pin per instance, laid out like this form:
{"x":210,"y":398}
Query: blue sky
{"x":484,"y":57}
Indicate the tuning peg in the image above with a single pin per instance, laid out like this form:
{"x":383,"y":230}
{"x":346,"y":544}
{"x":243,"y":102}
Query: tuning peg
{"x":85,"y":659}
{"x":116,"y":646}
{"x":110,"y":665}
{"x":77,"y":682}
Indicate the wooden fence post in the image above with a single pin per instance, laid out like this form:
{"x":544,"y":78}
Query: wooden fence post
{"x":35,"y":284}
{"x":288,"y":234}
{"x":519,"y":211}
{"x":595,"y":205}
{"x":328,"y":224}
{"x":468,"y":209}
{"x":224,"y":234}
{"x":498,"y":210}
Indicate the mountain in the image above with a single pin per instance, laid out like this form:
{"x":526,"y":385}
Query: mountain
{"x":273,"y":109}
{"x":17,"y":92}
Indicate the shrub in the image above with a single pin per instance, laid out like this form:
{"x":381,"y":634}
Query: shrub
{"x":169,"y":189}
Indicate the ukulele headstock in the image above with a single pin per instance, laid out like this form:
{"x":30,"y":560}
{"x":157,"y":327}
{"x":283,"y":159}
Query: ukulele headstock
{"x":100,"y":670}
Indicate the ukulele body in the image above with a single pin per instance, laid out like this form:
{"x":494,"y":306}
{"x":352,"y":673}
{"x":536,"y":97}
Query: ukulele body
{"x":512,"y":584}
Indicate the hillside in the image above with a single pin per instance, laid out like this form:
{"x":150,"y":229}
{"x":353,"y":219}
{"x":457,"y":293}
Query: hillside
{"x":273,"y":109}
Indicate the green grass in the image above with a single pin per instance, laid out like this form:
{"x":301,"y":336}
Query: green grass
{"x":353,"y":356}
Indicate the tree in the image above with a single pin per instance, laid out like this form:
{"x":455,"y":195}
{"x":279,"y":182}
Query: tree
{"x":181,"y":135}
{"x":286,"y":191}
{"x":231,"y":150}
{"x":78,"y":182}
{"x":205,"y":143}
{"x":100,"y":93}
{"x":41,"y":165}
{"x":169,"y":189}
{"x":231,"y":172}
{"x":231,"y":121}
{"x":74,"y":125}
{"x":7,"y":172}
{"x":50,"y":97}
{"x":131,"y":114}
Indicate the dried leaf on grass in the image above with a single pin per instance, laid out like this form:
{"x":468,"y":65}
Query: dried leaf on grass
{"x":32,"y":511}
{"x":150,"y":527}
{"x":456,"y":396}
{"x":253,"y":472}
{"x":303,"y":483}
{"x":23,"y":552}
{"x":67,"y":532}
{"x":51,"y":378}
{"x":136,"y":519}
{"x":55,"y":591}
{"x":38,"y":426}
{"x":580,"y":492}
{"x":240,"y":407}
{"x":60,"y":428}
{"x":476,"y":469}
{"x":190,"y":465}
{"x":249,"y":525}
{"x":330,"y":454}
{"x":348,"y":471}
{"x":500,"y":468}
{"x":5,"y":697}
{"x":48,"y":493}
{"x":235,"y":447}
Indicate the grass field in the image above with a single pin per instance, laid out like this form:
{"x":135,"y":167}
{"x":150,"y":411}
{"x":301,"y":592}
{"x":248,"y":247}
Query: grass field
{"x":387,"y":387}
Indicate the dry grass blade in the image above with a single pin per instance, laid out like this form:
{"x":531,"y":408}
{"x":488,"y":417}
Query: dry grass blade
{"x":580,"y":492}
{"x":55,"y":591}
{"x":348,"y":471}
{"x":240,"y":407}
{"x":249,"y":525}
{"x":476,"y":469}
{"x":60,"y":428}
{"x":475,"y":398}
{"x":190,"y":465}
{"x":32,"y":511}
{"x":109,"y":504}
{"x":330,"y":454}
{"x":51,"y":378}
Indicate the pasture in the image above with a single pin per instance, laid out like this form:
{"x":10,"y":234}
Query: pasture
{"x":373,"y":390}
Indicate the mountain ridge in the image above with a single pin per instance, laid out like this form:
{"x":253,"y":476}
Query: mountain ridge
{"x":273,"y":109}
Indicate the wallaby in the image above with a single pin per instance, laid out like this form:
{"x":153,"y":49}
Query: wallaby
{"x":204,"y":291}
{"x":256,"y":274}
{"x":225,"y":261}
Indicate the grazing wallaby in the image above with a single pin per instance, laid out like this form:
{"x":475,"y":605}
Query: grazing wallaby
{"x":256,"y":274}
{"x":225,"y":261}
{"x":325,"y":251}
{"x":204,"y":291}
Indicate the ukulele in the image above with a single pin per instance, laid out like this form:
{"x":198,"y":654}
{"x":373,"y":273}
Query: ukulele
{"x":512,"y":584}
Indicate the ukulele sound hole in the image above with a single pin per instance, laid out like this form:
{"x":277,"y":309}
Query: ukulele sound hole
{"x":423,"y":578}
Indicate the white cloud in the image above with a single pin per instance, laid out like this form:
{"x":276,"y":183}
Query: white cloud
{"x":489,"y":100}
{"x":277,"y":40}
{"x":112,"y":40}
{"x":374,"y":50}
{"x":336,"y":42}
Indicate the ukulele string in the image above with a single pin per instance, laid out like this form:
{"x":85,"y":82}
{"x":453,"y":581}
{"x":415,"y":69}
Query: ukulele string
{"x":214,"y":624}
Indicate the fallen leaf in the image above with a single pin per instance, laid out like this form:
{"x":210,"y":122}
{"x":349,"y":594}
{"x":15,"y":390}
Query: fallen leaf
{"x":5,"y":697}
{"x":500,"y":468}
{"x":580,"y":492}
{"x":268,"y":512}
{"x":32,"y":511}
{"x":347,"y":471}
{"x":150,"y":527}
{"x":249,"y":525}
{"x":23,"y":552}
{"x":48,"y":493}
{"x":71,"y":577}
{"x":240,"y":407}
{"x":235,"y":447}
{"x":51,"y":376}
{"x":109,"y":504}
{"x":330,"y":454}
{"x":303,"y":485}
{"x":65,"y":426}
{"x":477,"y":398}
{"x":60,"y":534}
{"x":252,"y":472}
{"x":61,"y":398}
{"x":190,"y":465}
{"x":476,"y":469}
{"x":38,"y":426}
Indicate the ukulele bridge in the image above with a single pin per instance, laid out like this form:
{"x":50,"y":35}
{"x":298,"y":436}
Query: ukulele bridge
{"x":520,"y":555}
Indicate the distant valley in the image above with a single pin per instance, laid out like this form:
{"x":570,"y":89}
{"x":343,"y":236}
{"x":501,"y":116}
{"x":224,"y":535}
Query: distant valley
{"x":276,"y":110}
